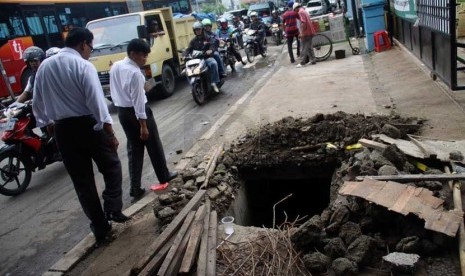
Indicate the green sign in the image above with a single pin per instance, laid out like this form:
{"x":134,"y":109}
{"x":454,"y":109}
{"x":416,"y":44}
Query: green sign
{"x":405,"y":9}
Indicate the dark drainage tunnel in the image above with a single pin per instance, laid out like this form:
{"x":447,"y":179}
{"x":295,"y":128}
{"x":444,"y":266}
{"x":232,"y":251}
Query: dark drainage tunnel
{"x":264,"y":187}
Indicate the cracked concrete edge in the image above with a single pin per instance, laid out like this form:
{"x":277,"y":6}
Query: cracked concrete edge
{"x":72,"y":257}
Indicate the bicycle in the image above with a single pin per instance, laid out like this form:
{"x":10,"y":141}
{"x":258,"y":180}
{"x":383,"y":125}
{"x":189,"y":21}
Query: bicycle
{"x":322,"y":47}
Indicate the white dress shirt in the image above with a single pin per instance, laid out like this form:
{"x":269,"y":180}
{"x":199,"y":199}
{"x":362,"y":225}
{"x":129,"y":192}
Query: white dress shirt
{"x":67,"y":86}
{"x":127,"y":86}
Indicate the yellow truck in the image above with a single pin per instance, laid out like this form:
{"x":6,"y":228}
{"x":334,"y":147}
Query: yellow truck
{"x":164,"y":64}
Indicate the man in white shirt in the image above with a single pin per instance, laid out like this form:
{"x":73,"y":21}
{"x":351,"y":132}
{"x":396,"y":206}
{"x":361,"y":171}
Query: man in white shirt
{"x":68,"y":98}
{"x":136,"y":117}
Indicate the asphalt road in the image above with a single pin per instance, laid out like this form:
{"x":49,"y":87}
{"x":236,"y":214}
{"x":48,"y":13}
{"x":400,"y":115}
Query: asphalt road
{"x":40,"y":225}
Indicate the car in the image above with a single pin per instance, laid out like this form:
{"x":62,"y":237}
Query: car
{"x":317,"y":7}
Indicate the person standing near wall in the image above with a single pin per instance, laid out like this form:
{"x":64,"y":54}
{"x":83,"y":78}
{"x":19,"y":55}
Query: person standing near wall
{"x":136,"y":117}
{"x":306,"y":35}
{"x":71,"y":103}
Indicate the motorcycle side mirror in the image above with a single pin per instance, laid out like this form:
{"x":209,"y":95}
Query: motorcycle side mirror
{"x":142,"y":32}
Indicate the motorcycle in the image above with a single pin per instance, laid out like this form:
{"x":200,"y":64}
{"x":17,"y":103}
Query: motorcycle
{"x":251,"y":45}
{"x":276,"y":33}
{"x":225,"y":54}
{"x":198,"y":74}
{"x":23,"y":151}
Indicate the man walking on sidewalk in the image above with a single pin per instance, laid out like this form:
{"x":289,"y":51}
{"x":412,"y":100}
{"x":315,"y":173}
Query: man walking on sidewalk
{"x":68,"y":93}
{"x":306,"y":35}
{"x":290,"y":28}
{"x":136,"y":117}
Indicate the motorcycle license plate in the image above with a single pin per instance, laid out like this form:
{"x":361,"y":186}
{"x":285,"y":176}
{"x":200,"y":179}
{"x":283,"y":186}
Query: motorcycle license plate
{"x":8,"y":124}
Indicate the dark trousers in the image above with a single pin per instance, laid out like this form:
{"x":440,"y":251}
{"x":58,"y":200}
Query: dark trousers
{"x":79,"y":144}
{"x":290,"y":40}
{"x":236,"y":54}
{"x":136,"y":146}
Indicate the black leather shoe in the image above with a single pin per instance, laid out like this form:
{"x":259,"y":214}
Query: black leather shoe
{"x":102,"y":237}
{"x":172,"y":175}
{"x":137,"y":193}
{"x":223,"y":75}
{"x":116,"y":217}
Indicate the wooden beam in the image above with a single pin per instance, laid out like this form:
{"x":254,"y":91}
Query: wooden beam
{"x":212,"y":165}
{"x":211,"y":253}
{"x":372,"y":144}
{"x":174,"y":256}
{"x":170,"y":230}
{"x":155,"y":263}
{"x":194,"y":241}
{"x":414,"y":177}
{"x":308,"y":147}
{"x":202,"y":259}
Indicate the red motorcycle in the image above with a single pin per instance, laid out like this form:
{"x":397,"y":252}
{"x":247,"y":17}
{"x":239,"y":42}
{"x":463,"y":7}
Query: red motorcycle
{"x":23,"y":151}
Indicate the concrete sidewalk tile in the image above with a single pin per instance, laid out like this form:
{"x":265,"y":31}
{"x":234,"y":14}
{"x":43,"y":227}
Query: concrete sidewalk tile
{"x":74,"y":255}
{"x":52,"y":273}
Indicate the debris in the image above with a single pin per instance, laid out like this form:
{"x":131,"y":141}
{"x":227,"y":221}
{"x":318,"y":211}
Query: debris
{"x":179,"y":151}
{"x":204,"y":123}
{"x":372,"y":144}
{"x":406,"y":199}
{"x":402,"y":259}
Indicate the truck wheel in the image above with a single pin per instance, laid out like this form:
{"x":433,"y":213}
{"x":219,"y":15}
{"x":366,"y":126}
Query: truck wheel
{"x":167,"y":81}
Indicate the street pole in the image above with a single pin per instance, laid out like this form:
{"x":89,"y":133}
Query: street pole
{"x":7,"y":83}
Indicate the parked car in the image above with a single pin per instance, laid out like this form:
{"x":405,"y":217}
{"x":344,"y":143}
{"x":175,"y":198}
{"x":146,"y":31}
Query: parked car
{"x":318,"y":7}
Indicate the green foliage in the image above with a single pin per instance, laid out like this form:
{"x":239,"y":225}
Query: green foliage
{"x":213,"y":8}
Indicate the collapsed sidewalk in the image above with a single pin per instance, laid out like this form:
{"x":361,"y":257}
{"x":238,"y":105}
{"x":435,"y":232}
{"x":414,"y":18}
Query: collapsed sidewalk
{"x":350,"y":84}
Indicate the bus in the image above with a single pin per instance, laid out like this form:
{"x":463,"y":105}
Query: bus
{"x":24,"y":23}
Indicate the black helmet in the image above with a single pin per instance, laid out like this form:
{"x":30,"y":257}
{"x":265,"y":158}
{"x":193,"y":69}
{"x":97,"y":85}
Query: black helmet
{"x":33,"y":53}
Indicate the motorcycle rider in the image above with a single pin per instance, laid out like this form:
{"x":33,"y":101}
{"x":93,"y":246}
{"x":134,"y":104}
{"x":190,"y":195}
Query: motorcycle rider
{"x":33,"y":56}
{"x":240,"y":26}
{"x":276,"y":19}
{"x":257,"y":25}
{"x":205,"y":43}
{"x":225,"y":32}
{"x":207,"y":28}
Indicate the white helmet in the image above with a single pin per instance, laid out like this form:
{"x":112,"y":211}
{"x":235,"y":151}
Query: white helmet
{"x":52,"y":51}
{"x":254,"y":13}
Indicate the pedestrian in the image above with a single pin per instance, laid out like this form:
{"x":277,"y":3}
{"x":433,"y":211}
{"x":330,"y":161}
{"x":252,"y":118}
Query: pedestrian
{"x":70,"y":102}
{"x":307,"y":31}
{"x":136,"y":118}
{"x":290,"y":29}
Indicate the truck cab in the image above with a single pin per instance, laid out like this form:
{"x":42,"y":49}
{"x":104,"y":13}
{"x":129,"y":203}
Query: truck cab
{"x":113,"y":34}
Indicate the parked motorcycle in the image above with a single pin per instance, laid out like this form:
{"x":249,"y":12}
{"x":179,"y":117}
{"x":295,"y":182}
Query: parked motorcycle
{"x":23,"y":151}
{"x":276,"y":33}
{"x":198,"y":74}
{"x":251,"y":45}
{"x":226,"y":55}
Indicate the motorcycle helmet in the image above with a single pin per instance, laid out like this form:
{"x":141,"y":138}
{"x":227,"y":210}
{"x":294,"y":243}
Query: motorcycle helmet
{"x":252,"y":14}
{"x":197,"y":25}
{"x":290,"y":4}
{"x":223,"y":23}
{"x":52,"y":51}
{"x":33,"y":53}
{"x":206,"y":22}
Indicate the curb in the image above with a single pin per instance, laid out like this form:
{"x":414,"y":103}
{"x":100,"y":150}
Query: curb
{"x":85,"y":246}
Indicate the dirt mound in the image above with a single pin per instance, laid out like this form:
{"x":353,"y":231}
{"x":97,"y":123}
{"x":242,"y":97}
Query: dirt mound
{"x":350,"y":235}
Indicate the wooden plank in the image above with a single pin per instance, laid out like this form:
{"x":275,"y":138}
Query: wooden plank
{"x":194,"y":241}
{"x":212,"y":165}
{"x":155,"y":263}
{"x":211,"y":247}
{"x":202,"y":259}
{"x":372,"y":144}
{"x":405,"y":199}
{"x":413,"y":177}
{"x":170,"y":230}
{"x":405,"y":146}
{"x":178,"y":248}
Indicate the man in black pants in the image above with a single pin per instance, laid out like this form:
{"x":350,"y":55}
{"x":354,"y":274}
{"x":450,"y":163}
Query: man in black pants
{"x":73,"y":100}
{"x":136,"y":117}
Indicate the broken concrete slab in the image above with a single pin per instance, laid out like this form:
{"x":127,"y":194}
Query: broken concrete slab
{"x":406,"y":199}
{"x":402,"y":259}
{"x":423,"y":147}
